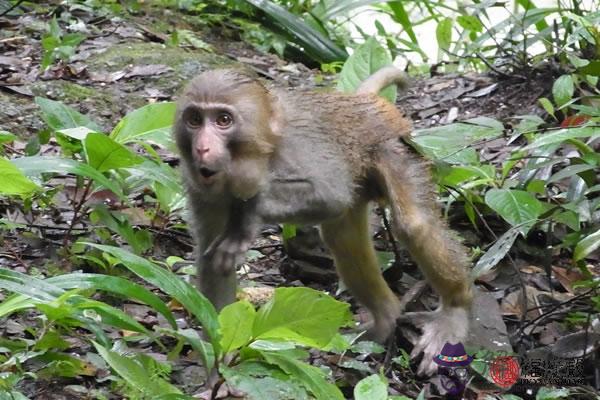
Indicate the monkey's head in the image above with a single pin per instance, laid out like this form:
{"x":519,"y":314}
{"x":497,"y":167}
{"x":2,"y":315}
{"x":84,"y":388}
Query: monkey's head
{"x":226,"y":128}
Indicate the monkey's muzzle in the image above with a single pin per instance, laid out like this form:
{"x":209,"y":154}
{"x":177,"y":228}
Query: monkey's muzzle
{"x":207,"y":173}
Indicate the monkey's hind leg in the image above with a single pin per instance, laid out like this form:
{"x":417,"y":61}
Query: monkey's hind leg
{"x":443,"y":260}
{"x":349,"y":240}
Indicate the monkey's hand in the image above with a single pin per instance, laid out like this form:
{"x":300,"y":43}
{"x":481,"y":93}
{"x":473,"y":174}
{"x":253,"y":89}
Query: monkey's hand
{"x":446,"y":324}
{"x":228,"y":251}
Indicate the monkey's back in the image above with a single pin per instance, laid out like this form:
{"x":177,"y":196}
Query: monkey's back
{"x":355,"y":125}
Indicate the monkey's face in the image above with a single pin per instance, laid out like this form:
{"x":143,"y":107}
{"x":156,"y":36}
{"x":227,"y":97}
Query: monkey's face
{"x":206,"y":133}
{"x":225,"y":132}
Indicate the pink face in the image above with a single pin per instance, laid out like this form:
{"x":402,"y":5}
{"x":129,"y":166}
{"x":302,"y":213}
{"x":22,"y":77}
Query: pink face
{"x":211,"y":128}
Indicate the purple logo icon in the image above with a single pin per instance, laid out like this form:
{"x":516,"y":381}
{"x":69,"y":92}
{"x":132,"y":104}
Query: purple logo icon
{"x":452,"y":363}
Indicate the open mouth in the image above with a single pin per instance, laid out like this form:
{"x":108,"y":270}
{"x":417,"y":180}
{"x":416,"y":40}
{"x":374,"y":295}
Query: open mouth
{"x":206,"y":172}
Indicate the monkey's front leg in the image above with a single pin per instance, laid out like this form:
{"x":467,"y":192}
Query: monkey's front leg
{"x":224,"y":235}
{"x":218,"y":262}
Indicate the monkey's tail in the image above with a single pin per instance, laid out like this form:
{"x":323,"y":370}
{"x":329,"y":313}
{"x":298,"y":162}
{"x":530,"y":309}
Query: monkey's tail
{"x":382,"y":79}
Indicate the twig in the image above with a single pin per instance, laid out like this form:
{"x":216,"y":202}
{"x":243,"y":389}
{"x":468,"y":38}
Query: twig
{"x":17,"y":4}
{"x":76,"y":211}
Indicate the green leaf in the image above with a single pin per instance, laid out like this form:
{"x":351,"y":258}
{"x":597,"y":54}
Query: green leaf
{"x":400,"y":15}
{"x":450,"y":143}
{"x":519,"y":208}
{"x":36,"y":289}
{"x":547,"y":105}
{"x":470,"y":22}
{"x":109,"y":315}
{"x":372,"y":387}
{"x":135,"y":375}
{"x":302,"y":315}
{"x":236,"y":322}
{"x":316,"y":45}
{"x":37,"y":165}
{"x":256,"y":383}
{"x":12,"y":180}
{"x":115,"y":285}
{"x":105,"y":154}
{"x":7,"y":137}
{"x":548,"y":393}
{"x":59,"y":116}
{"x":569,"y":171}
{"x":312,"y":378}
{"x":443,"y":33}
{"x":171,"y":284}
{"x":368,"y":58}
{"x":563,"y":90}
{"x":586,"y":246}
{"x":592,"y":68}
{"x":495,"y":254}
{"x":562,"y":135}
{"x":151,"y":123}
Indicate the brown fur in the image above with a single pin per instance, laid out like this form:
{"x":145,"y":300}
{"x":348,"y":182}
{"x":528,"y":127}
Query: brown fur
{"x":320,"y":158}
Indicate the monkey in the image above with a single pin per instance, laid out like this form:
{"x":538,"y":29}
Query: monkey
{"x":253,"y":153}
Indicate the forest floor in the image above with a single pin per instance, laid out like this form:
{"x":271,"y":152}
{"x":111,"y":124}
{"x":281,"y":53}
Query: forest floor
{"x":127,"y":61}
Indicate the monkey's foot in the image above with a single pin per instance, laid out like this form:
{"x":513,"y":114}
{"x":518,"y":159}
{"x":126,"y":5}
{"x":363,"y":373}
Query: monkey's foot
{"x":446,"y":324}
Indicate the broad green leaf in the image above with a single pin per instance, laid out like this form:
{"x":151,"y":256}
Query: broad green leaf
{"x":547,"y":105}
{"x":563,"y":90}
{"x":259,"y":385}
{"x":470,"y":22}
{"x":586,"y":246}
{"x":59,"y":116}
{"x":29,"y":286}
{"x":7,"y":137}
{"x":12,"y":180}
{"x":519,"y":208}
{"x":171,"y":284}
{"x":372,"y":387}
{"x":549,"y":393}
{"x":366,"y":60}
{"x":109,"y":315}
{"x":316,"y":45}
{"x":312,"y":378}
{"x":151,"y":123}
{"x":135,"y":375}
{"x":105,"y":154}
{"x":592,"y":68}
{"x":37,"y":165}
{"x":495,"y":254}
{"x":235,"y":321}
{"x":569,"y":171}
{"x":303,"y":315}
{"x":15,"y":303}
{"x":115,"y":285}
{"x":78,"y":133}
{"x":562,"y":135}
{"x":443,"y":33}
{"x":271,"y":345}
{"x":450,"y":143}
{"x":201,"y":347}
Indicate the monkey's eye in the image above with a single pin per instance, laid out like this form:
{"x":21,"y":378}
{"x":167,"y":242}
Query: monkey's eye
{"x":193,"y":118}
{"x":224,"y":120}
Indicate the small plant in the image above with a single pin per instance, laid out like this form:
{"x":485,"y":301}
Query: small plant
{"x":57,"y":45}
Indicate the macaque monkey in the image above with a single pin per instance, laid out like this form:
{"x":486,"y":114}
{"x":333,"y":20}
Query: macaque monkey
{"x":254,"y":154}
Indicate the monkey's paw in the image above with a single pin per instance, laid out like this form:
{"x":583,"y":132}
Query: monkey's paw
{"x":446,"y":324}
{"x":229,"y":252}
